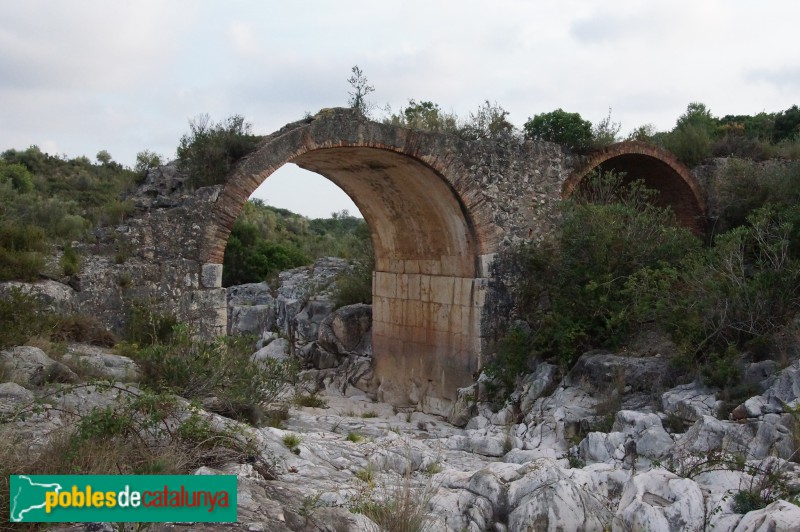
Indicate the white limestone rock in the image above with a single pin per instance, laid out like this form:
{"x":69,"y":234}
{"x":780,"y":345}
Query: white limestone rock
{"x":277,"y":349}
{"x":780,"y":516}
{"x":550,"y":498}
{"x":690,"y":401}
{"x":660,"y":500}
{"x":31,"y":365}
{"x":13,"y":397}
{"x":103,"y":363}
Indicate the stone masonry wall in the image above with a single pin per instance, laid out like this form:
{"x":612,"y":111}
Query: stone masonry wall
{"x":440,"y":209}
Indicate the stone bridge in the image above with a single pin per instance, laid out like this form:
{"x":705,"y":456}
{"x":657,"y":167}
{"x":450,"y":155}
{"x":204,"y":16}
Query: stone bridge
{"x":438,"y":207}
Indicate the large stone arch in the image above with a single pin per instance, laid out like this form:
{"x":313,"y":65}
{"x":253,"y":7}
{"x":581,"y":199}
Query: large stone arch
{"x":659,"y":169}
{"x":430,"y":231}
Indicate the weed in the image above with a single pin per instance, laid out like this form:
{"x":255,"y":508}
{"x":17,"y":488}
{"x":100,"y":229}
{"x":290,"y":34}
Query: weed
{"x":291,"y":441}
{"x":369,"y":414}
{"x":400,"y":506}
{"x":354,"y":437}
{"x":366,"y":475}
{"x":432,"y":468}
{"x":310,"y":400}
{"x":575,"y":461}
{"x":221,"y":368}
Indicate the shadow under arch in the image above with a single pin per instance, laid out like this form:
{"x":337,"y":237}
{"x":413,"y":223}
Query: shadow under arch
{"x":659,"y":169}
{"x":427,"y":296}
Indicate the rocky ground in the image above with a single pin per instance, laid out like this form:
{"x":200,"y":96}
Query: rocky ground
{"x":615,"y":444}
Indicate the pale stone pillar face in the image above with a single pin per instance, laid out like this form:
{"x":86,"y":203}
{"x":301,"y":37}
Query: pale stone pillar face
{"x":426,"y":336}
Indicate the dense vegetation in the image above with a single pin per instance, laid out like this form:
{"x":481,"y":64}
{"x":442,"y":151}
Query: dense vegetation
{"x":618,"y":265}
{"x":47,"y":200}
{"x":266,"y":240}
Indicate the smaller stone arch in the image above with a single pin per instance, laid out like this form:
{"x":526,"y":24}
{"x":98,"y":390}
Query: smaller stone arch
{"x":658,"y":168}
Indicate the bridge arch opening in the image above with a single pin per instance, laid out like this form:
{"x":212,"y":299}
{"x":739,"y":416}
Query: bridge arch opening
{"x":660,"y":170}
{"x":426,"y":304}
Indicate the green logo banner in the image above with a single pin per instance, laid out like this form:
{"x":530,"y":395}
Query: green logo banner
{"x":123,"y":498}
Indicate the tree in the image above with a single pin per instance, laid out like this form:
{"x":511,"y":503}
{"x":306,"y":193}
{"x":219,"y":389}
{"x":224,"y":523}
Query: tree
{"x":787,"y":124}
{"x":146,"y":160}
{"x":605,"y":132}
{"x":561,"y":127}
{"x":18,"y":175}
{"x":361,"y":88}
{"x":697,"y":115}
{"x":103,"y":157}
{"x":691,"y":139}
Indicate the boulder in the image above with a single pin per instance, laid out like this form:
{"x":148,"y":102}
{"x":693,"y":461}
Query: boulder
{"x":690,"y":402}
{"x":251,"y":309}
{"x":605,"y":372}
{"x":304,"y":297}
{"x":780,"y":516}
{"x":756,"y":439}
{"x":30,"y":365}
{"x":12,"y":397}
{"x":785,"y":390}
{"x":652,"y":441}
{"x":535,"y":384}
{"x":550,"y":498}
{"x":347,"y":330}
{"x":253,"y":319}
{"x":103,"y":363}
{"x":660,"y":500}
{"x":277,"y":349}
{"x":57,"y":297}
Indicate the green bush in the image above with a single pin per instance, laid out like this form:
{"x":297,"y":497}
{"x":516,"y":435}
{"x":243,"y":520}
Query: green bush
{"x":744,"y":287}
{"x":426,"y":116}
{"x":573,"y":285}
{"x":18,"y":175}
{"x":561,"y":127}
{"x":70,"y":261}
{"x":488,"y":122}
{"x":147,"y":327}
{"x":221,"y":368}
{"x":512,"y":358}
{"x":251,"y":259}
{"x":22,"y":317}
{"x":210,"y":150}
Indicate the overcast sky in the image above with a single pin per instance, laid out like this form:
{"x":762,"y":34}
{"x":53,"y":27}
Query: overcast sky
{"x":77,"y":77}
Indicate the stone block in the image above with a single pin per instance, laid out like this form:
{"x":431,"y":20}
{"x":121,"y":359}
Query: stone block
{"x":211,"y":275}
{"x":486,"y":264}
{"x":425,"y":288}
{"x":442,"y":289}
{"x":441,"y":316}
{"x":414,"y":287}
{"x":395,"y":310}
{"x":479,"y":293}
{"x":466,"y":291}
{"x":209,"y":299}
{"x":451,"y":265}
{"x":412,"y":266}
{"x":457,"y":290}
{"x":386,"y":284}
{"x":455,"y":318}
{"x":402,"y":286}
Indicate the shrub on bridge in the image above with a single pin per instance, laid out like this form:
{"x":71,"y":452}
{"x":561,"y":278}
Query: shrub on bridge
{"x":210,"y":150}
{"x":561,"y":127}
